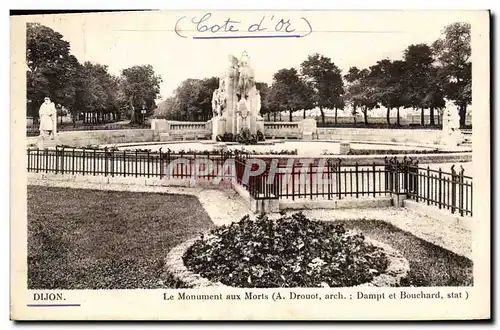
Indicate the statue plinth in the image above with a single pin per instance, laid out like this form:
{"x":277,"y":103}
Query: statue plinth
{"x":47,"y":142}
{"x":218,"y":126}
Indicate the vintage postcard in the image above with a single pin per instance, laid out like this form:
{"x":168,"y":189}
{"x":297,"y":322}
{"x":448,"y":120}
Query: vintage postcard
{"x":250,"y":165}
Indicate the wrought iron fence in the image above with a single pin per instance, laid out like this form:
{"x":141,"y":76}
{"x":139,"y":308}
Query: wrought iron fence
{"x":110,"y":162}
{"x":326,"y":178}
{"x":446,"y":190}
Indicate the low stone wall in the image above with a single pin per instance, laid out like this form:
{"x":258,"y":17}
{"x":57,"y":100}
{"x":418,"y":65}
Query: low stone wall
{"x":348,"y":203}
{"x":380,"y":135}
{"x":305,"y":129}
{"x":85,"y":138}
{"x":141,"y":181}
{"x":436,"y":158}
{"x":283,"y":130}
{"x":169,"y":130}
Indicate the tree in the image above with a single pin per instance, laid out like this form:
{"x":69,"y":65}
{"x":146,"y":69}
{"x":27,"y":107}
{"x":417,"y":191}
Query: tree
{"x":97,"y":93}
{"x":453,"y":53}
{"x":325,"y":79}
{"x":288,"y":92}
{"x":208,"y":86}
{"x":434,"y":97}
{"x":192,"y":100}
{"x":359,"y":92}
{"x":387,"y":79}
{"x":165,"y":110}
{"x":263,"y":89}
{"x":418,"y":60}
{"x":51,"y":68}
{"x":186,"y":99}
{"x":141,"y":87}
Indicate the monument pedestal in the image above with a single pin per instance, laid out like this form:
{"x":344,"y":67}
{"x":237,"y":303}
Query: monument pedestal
{"x":452,"y":138}
{"x":309,"y":128}
{"x":259,"y":124}
{"x":47,"y":142}
{"x":218,"y":126}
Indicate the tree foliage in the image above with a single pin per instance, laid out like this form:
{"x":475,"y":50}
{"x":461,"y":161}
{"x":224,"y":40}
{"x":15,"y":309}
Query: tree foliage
{"x":289,"y":92}
{"x":325,"y":79}
{"x":452,"y":53}
{"x":87,"y":88}
{"x":51,"y":68}
{"x":141,"y":87}
{"x":387,"y":79}
{"x":191,"y":101}
{"x":359,"y":91}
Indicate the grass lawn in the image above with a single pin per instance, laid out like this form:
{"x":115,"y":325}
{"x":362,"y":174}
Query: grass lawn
{"x":91,"y":239}
{"x":430,"y":265}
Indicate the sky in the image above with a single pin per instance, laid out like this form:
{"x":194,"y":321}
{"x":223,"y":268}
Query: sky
{"x":349,"y":38}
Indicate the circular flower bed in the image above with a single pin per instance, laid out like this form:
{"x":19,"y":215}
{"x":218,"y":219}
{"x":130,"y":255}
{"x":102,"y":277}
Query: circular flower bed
{"x":289,"y":252}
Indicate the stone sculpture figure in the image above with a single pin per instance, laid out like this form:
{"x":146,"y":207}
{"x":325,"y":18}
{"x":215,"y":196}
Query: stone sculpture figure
{"x":216,"y":109}
{"x":48,"y":116}
{"x":451,"y":134}
{"x":219,"y":99}
{"x":246,"y":78}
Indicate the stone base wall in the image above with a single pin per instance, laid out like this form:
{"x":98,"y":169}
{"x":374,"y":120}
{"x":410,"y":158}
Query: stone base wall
{"x":380,"y":135}
{"x":85,"y":138}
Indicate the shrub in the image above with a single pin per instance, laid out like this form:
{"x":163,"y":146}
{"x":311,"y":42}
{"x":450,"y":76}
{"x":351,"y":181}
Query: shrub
{"x":289,"y":252}
{"x":246,"y":137}
{"x":260,"y":136}
{"x":226,"y":137}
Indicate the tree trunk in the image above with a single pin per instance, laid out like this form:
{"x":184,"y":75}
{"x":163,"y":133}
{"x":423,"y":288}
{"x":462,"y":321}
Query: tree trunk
{"x":388,"y":116}
{"x":322,"y":115}
{"x":291,"y":115}
{"x":365,"y":114}
{"x":422,"y":118}
{"x":304,"y":114}
{"x":132,"y":111}
{"x":432,"y":116}
{"x":268,"y":116}
{"x":280,"y":116}
{"x":462,"y":112}
{"x":335,"y":116}
{"x":398,"y":122}
{"x":275,"y":116}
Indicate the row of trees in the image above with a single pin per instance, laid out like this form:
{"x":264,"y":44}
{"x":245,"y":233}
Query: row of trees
{"x":87,"y":87}
{"x":422,"y":79}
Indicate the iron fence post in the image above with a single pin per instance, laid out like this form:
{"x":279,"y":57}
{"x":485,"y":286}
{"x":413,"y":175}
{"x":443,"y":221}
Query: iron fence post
{"x":461,"y":191}
{"x":440,"y":189}
{"x":453,"y":189}
{"x":105,"y":161}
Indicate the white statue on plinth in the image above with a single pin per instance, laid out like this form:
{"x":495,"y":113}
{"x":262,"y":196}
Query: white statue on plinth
{"x":451,"y":134}
{"x":48,"y":119}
